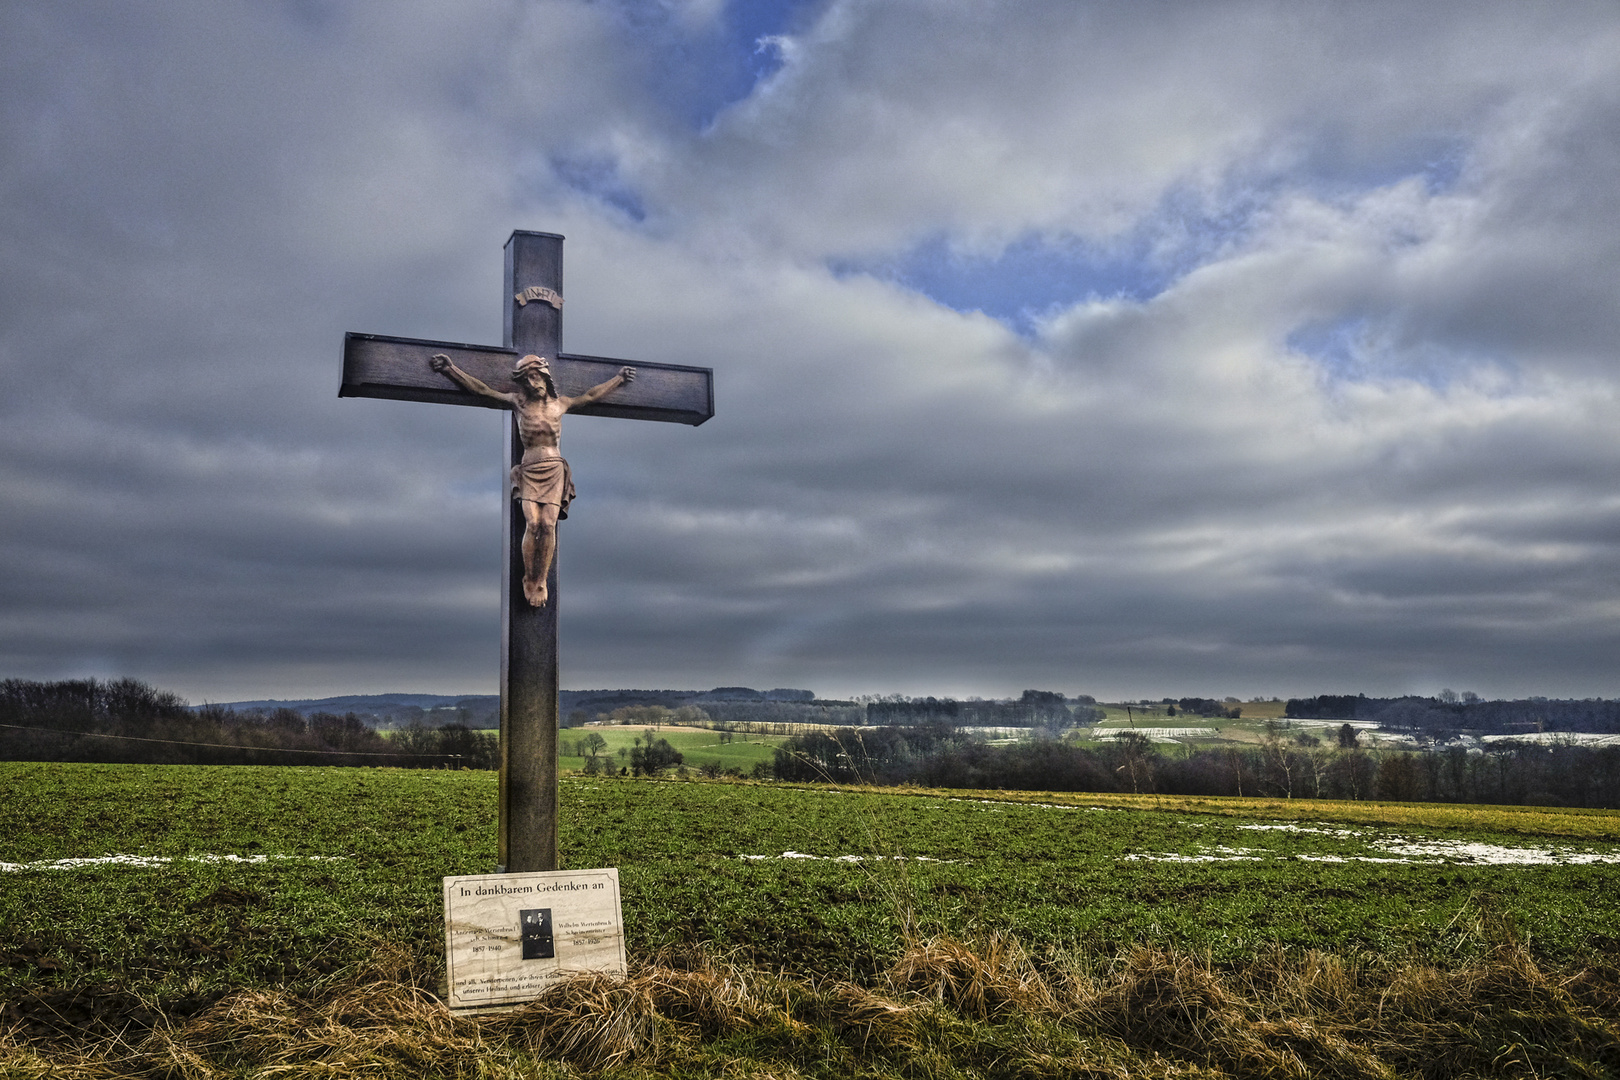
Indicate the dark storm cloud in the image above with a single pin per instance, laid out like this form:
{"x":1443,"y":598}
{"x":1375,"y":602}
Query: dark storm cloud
{"x":1358,"y":434}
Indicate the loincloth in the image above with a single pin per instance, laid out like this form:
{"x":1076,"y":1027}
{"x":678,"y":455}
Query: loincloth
{"x":546,"y":480}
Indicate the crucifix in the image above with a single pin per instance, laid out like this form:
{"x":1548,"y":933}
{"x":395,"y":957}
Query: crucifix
{"x":536,"y":383}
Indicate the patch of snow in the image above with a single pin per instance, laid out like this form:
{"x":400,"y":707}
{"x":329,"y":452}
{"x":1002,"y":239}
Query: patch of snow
{"x":1557,"y":738}
{"x":1394,"y":850}
{"x":1366,"y":858}
{"x":1303,"y":721}
{"x":846,"y":858}
{"x":1221,"y":853}
{"x":1325,"y":830}
{"x":161,"y":860}
{"x":1159,"y":734}
{"x":1479,"y":854}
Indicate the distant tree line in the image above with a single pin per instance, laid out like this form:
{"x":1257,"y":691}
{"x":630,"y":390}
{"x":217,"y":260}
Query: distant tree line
{"x":1034,"y":708}
{"x":483,"y":711}
{"x":776,"y":711}
{"x":127,"y":721}
{"x":761,"y":716}
{"x":592,"y":702}
{"x":643,"y":716}
{"x":1302,"y":766}
{"x":1448,"y":712}
{"x":738,"y":714}
{"x":1196,"y":706}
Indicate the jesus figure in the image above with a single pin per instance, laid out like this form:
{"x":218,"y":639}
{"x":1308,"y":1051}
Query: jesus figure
{"x":541,"y":483}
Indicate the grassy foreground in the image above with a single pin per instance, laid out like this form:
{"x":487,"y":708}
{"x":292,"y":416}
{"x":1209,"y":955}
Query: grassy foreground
{"x":285,"y":921}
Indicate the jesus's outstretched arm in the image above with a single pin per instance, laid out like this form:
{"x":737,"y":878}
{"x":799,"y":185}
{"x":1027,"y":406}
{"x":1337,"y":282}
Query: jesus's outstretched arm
{"x":443,"y":365}
{"x":603,"y":389}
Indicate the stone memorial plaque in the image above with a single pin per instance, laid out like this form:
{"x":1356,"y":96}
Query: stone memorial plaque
{"x":509,"y":936}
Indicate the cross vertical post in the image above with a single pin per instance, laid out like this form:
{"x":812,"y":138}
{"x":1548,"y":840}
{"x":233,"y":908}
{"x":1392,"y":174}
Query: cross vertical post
{"x":527,"y":826}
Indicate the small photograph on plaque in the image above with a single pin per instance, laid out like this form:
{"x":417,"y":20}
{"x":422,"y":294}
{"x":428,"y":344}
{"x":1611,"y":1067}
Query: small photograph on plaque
{"x":536,"y":927}
{"x":507,"y":937}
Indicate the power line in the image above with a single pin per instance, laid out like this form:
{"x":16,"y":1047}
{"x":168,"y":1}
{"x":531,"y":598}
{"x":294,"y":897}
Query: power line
{"x":223,"y":746}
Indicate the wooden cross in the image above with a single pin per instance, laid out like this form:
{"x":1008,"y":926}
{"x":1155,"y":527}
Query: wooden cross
{"x":399,"y":368}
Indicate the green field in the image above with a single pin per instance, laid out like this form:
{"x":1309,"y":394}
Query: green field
{"x":698,"y":746}
{"x":298,"y":879}
{"x":341,"y":857}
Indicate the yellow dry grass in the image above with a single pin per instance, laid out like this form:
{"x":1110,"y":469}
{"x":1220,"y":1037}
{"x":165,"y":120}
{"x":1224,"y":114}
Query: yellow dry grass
{"x":1562,"y":822}
{"x":945,"y":1008}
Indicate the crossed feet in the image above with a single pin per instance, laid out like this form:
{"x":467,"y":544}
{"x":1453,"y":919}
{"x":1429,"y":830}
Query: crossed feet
{"x":535,"y":592}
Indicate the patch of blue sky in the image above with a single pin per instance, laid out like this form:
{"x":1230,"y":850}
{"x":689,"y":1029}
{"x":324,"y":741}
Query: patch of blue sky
{"x":747,"y":44}
{"x":1335,"y":163}
{"x":1042,"y":273}
{"x":599,"y":179}
{"x":1023,"y":283}
{"x":1039,"y":274}
{"x":1342,"y":348}
{"x":702,"y":66}
{"x":1362,"y":348}
{"x":699,"y":68}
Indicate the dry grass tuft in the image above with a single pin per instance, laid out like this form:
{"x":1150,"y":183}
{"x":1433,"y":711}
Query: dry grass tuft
{"x":1173,"y":1005}
{"x":712,"y":998}
{"x":1502,"y":1014}
{"x":593,"y":1021}
{"x":867,"y":1018}
{"x":1165,"y":996}
{"x":995,"y":976}
{"x":945,"y":1008}
{"x":1317,"y":983}
{"x":395,"y":1028}
{"x":24,"y":1062}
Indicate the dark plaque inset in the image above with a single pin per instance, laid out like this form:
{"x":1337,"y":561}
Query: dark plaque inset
{"x":536,"y":928}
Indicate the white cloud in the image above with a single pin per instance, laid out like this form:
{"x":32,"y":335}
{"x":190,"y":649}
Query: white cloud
{"x":1361,"y":438}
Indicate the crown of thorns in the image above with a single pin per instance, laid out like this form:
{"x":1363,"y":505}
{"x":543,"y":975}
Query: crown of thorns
{"x":531,"y":363}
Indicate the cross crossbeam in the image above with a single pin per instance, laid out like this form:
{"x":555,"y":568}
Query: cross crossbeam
{"x":378,"y":366}
{"x":400,"y":369}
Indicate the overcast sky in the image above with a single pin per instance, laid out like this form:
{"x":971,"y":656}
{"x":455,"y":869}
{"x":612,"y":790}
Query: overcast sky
{"x":1115,"y":348}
